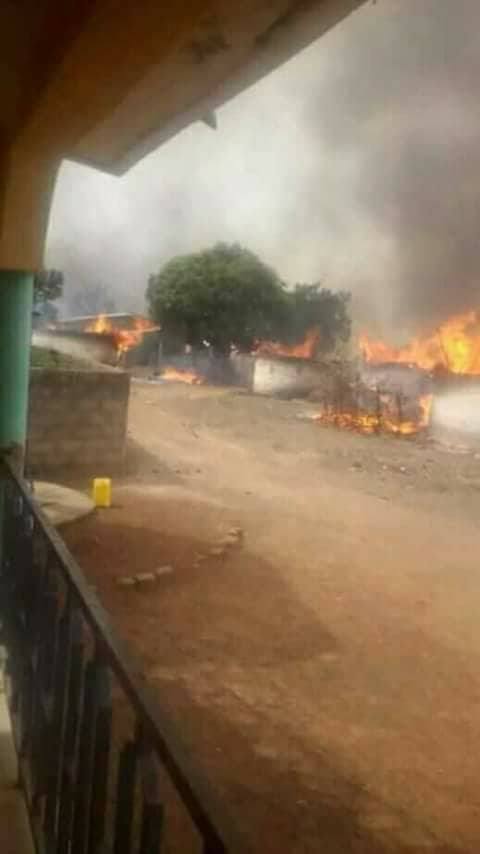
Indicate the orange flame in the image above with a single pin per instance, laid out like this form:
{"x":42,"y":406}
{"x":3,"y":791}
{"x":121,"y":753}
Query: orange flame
{"x":303,"y":350}
{"x":454,"y":346}
{"x":182,"y":376}
{"x":101,"y":325}
{"x":124,"y":339}
{"x":384,"y":422}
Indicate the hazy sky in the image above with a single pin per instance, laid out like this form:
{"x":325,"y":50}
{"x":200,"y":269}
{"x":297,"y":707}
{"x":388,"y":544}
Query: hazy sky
{"x":357,"y":163}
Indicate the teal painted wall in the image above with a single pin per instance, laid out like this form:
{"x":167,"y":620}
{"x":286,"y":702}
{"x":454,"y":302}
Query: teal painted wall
{"x":16,"y":303}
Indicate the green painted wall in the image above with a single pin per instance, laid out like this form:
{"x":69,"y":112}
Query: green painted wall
{"x":16,"y":302}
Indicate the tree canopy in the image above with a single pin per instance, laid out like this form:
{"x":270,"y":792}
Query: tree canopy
{"x":227,"y":296}
{"x":224,"y":295}
{"x":312,"y":306}
{"x":47,"y":287}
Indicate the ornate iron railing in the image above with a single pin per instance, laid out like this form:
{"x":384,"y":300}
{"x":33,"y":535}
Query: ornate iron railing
{"x":101,"y":765}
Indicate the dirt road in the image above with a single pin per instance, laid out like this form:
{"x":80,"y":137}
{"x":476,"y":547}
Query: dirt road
{"x":326,"y":670}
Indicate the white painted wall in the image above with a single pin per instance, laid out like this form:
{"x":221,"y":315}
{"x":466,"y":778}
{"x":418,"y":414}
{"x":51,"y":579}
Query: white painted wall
{"x":285,"y":377}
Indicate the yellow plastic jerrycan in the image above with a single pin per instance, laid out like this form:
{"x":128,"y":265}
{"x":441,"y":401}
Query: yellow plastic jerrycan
{"x":102,"y":492}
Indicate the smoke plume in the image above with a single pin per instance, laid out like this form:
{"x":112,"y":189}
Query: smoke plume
{"x":357,"y":163}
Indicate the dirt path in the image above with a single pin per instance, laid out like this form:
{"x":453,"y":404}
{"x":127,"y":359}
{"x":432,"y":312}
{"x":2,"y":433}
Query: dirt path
{"x":326,"y":670}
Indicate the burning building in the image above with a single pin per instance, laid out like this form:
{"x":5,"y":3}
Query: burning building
{"x":396,"y":388}
{"x":286,"y":370}
{"x":386,"y":389}
{"x":118,"y":339}
{"x":270,"y":368}
{"x":388,"y":397}
{"x":451,"y":348}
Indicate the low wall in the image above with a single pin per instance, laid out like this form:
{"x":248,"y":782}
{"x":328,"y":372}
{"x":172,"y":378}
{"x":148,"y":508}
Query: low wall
{"x":92,"y":346}
{"x":285,"y":377}
{"x":77,"y":420}
{"x":243,"y":366}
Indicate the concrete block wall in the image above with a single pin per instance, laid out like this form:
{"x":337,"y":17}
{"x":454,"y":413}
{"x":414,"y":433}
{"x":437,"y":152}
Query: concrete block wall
{"x":77,"y":421}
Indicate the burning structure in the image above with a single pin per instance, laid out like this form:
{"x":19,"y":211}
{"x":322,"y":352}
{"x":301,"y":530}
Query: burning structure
{"x":116,"y":339}
{"x":395,"y":387}
{"x":370,"y":398}
{"x":387,"y":389}
{"x":129,"y":332}
{"x":454,"y":347}
{"x":271,"y":368}
{"x":304,"y":349}
{"x":287,"y":370}
{"x":387,"y":397}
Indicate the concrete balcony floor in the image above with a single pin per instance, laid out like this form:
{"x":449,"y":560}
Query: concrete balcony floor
{"x":60,"y":505}
{"x":15,"y":837}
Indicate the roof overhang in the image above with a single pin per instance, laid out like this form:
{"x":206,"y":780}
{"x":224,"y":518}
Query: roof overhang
{"x":105,"y":82}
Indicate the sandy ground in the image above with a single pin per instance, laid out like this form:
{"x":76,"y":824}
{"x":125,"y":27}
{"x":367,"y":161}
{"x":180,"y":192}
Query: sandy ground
{"x":326,"y":670}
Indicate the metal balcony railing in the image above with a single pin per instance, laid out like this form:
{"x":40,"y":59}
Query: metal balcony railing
{"x":101,"y":765}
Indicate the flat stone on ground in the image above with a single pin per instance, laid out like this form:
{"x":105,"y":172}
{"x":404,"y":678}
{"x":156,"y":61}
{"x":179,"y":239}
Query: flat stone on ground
{"x":62,"y":504}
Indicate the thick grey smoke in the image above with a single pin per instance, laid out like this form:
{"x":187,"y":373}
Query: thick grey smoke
{"x":358,"y":162}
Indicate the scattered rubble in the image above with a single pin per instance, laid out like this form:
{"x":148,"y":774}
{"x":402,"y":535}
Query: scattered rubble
{"x":235,"y":532}
{"x":228,"y":541}
{"x":145,"y":577}
{"x":232,"y":538}
{"x":163,"y":570}
{"x":126,"y":581}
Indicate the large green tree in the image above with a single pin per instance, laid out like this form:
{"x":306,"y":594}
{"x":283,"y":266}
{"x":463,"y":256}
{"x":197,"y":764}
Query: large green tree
{"x":224,"y":295}
{"x":47,"y":288}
